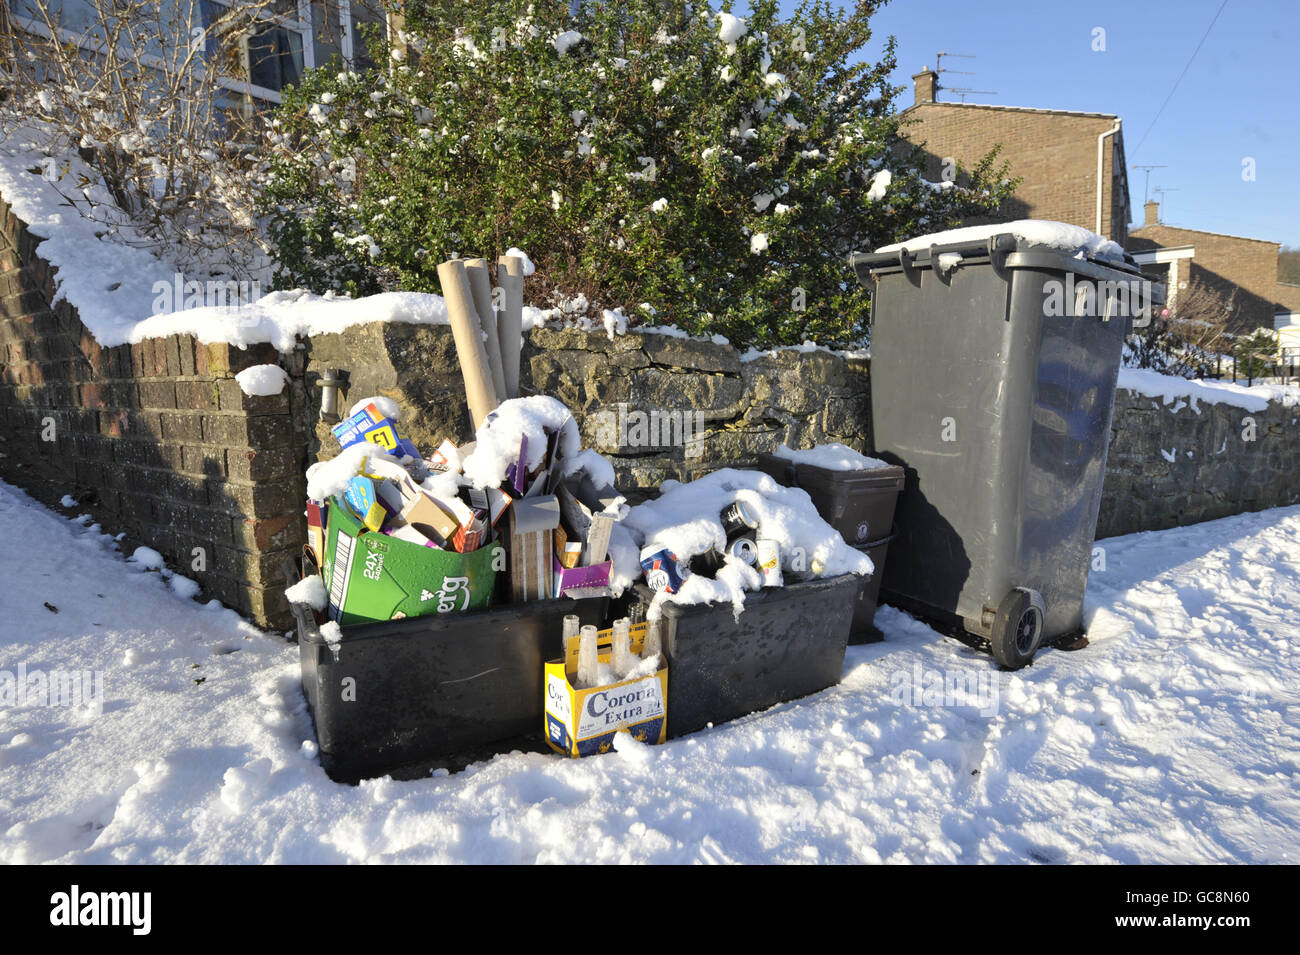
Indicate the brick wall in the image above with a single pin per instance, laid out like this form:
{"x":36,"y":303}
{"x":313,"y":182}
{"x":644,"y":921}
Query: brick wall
{"x":155,"y":439}
{"x":1055,"y":153}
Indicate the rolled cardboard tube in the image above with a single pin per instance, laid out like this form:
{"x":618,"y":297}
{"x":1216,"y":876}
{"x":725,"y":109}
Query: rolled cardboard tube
{"x":480,"y":284}
{"x":468,"y":332}
{"x":510,"y":276}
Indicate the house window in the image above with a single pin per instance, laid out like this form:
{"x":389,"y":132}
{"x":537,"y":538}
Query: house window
{"x":264,"y":46}
{"x":274,"y":48}
{"x":275,"y":58}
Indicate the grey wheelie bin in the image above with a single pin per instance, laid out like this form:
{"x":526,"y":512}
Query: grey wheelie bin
{"x":993,"y":369}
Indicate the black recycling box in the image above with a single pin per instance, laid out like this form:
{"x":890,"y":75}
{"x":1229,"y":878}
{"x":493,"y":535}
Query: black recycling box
{"x":864,"y":612}
{"x":789,"y":642}
{"x":858,"y":504}
{"x":401,"y":697}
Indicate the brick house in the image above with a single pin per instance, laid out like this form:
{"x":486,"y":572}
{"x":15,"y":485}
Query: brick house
{"x":1230,"y":264}
{"x":1071,"y":163}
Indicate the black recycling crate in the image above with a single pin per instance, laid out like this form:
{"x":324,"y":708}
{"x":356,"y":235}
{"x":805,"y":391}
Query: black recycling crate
{"x":864,"y":610}
{"x":401,"y":697}
{"x":789,"y":642}
{"x":858,"y":504}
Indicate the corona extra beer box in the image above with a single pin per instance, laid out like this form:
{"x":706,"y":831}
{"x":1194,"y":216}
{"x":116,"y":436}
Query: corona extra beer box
{"x":371,"y":576}
{"x":583,"y":722}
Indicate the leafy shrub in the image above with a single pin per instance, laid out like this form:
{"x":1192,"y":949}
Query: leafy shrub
{"x":688,"y":166}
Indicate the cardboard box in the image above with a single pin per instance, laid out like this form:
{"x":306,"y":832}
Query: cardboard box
{"x":369,"y":424}
{"x":583,"y":722}
{"x":578,"y":582}
{"x":372,"y":576}
{"x":317,"y":515}
{"x":365,"y":504}
{"x":414,"y":505}
{"x":532,"y":546}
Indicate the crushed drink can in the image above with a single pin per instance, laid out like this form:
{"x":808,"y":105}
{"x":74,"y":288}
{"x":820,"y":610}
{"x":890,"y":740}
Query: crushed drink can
{"x":769,"y":562}
{"x":662,"y":571}
{"x":738,"y":518}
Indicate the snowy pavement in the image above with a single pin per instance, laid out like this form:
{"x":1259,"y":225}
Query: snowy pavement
{"x":1174,"y":737}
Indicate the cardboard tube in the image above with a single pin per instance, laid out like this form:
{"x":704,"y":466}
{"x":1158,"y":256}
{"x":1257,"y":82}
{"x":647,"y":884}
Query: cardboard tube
{"x":480,"y":284}
{"x":465,"y":327}
{"x":510,"y":276}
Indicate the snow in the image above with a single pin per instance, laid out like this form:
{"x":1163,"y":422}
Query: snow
{"x":262,"y":380}
{"x":68,"y":501}
{"x":113,"y":284}
{"x":833,"y":457}
{"x":498,"y":439}
{"x":684,"y":518}
{"x":387,"y":407}
{"x":1057,"y":235}
{"x":529,"y":268}
{"x":615,"y":322}
{"x":309,"y":591}
{"x":325,"y":479}
{"x":758,"y":242}
{"x":731,"y":28}
{"x":754,"y":354}
{"x":1169,"y":740}
{"x":147,"y":558}
{"x":879,"y":183}
{"x":566,"y":40}
{"x":1144,"y":381}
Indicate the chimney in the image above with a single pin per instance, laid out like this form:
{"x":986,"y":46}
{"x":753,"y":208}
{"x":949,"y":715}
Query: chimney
{"x":1152,"y":213}
{"x":926,"y":85}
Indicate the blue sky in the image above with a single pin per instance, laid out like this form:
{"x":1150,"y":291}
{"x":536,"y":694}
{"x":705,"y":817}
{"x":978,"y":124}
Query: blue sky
{"x":1239,"y":98}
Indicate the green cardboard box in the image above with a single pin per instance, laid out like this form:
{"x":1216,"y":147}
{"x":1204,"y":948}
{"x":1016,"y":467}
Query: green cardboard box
{"x":371,"y":576}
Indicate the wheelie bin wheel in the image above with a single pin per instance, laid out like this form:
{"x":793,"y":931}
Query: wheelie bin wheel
{"x":1017,"y":628}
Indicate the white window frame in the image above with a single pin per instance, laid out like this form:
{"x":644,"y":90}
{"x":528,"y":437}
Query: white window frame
{"x":345,"y":36}
{"x":303,"y":26}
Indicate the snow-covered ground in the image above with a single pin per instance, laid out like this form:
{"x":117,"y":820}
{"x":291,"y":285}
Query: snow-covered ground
{"x":1174,"y":737}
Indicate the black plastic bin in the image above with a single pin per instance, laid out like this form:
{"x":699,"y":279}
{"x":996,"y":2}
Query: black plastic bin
{"x":858,"y":504}
{"x":431,"y":691}
{"x":993,"y":370}
{"x":789,"y":642}
{"x":864,"y":610}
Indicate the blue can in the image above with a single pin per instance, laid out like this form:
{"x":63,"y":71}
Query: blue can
{"x":662,"y":571}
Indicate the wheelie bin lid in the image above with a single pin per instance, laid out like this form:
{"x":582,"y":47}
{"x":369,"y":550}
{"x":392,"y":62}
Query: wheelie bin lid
{"x":1002,"y":250}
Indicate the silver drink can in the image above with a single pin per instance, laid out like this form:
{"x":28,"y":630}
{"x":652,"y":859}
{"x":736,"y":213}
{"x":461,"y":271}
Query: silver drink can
{"x":769,"y":562}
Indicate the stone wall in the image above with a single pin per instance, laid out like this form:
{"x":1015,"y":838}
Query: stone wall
{"x":155,"y":439}
{"x":1225,"y":460}
{"x":657,"y":406}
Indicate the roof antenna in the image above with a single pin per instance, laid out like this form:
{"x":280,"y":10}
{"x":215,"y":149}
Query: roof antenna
{"x":1146,"y":190}
{"x":962,"y":91}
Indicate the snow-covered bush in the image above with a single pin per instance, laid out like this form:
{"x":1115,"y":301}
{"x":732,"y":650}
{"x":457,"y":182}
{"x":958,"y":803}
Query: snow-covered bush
{"x":135,"y":87}
{"x":691,"y":167}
